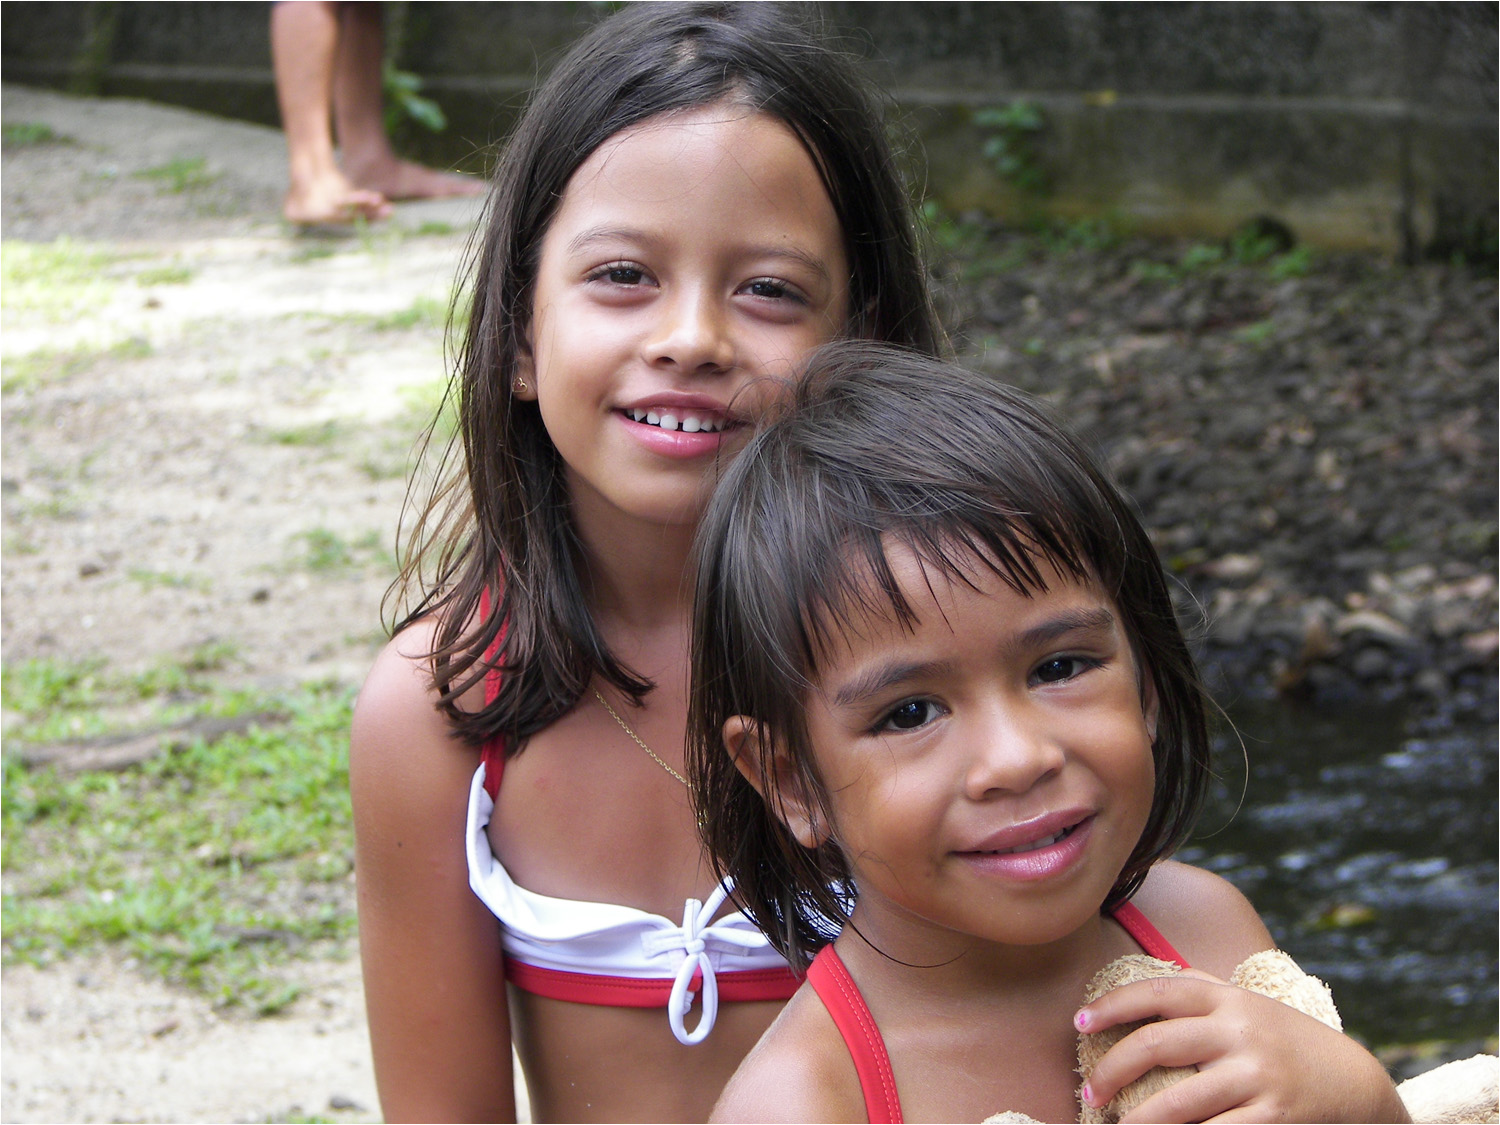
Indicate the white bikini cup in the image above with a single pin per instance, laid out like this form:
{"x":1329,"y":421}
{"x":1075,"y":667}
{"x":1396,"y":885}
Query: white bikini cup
{"x":610,"y":940}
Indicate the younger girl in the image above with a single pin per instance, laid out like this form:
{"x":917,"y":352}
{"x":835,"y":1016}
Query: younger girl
{"x":697,"y":196}
{"x":963,"y":732}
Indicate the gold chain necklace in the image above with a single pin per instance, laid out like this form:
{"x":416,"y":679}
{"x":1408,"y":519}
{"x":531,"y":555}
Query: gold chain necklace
{"x":624,"y":726}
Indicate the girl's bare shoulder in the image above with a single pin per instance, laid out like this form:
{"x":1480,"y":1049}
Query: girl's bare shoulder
{"x":799,"y":1071}
{"x":401,"y":745}
{"x":1210,"y":922}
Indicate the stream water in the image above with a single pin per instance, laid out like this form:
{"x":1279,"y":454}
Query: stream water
{"x":1371,"y":854}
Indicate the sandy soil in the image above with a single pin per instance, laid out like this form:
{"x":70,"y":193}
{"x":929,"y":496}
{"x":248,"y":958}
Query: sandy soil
{"x":154,"y":503}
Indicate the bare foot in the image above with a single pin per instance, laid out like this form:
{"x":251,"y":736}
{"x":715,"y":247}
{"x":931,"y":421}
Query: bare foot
{"x":402,"y":179}
{"x":332,"y":199}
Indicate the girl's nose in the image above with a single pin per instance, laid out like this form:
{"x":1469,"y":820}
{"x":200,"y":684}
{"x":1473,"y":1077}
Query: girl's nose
{"x":692,"y":335}
{"x":1011,"y":753}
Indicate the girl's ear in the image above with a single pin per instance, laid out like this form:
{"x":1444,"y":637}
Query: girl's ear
{"x":523,"y":381}
{"x":769,"y":770}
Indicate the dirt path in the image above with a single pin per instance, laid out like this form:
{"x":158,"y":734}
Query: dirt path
{"x":206,"y":426}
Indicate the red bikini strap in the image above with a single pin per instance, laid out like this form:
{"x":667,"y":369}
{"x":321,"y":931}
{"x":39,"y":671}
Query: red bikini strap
{"x":492,"y":753}
{"x":840,"y":995}
{"x":1147,"y":936}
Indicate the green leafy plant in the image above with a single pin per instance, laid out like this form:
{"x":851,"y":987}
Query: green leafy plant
{"x":1010,"y":146}
{"x":404,"y":102}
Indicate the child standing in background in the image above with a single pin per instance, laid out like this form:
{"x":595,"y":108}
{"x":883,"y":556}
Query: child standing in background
{"x":695,"y":198}
{"x":944,"y":732}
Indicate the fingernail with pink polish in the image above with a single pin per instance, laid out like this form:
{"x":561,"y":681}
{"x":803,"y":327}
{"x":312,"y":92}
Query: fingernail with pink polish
{"x":1087,"y":1093}
{"x":1082,"y":1020}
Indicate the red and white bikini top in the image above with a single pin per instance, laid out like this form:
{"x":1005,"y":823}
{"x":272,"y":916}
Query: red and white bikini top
{"x":605,"y":953}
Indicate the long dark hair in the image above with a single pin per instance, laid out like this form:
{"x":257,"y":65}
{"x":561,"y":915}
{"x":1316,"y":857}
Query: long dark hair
{"x":877,"y":445}
{"x":496,"y":554}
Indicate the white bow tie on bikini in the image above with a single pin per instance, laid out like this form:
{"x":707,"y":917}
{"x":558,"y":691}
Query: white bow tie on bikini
{"x":695,"y":939}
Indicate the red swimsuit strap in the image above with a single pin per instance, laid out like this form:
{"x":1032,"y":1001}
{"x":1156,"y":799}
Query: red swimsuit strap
{"x":830,"y":979}
{"x":1147,"y":936}
{"x":492,"y":753}
{"x":840,"y":995}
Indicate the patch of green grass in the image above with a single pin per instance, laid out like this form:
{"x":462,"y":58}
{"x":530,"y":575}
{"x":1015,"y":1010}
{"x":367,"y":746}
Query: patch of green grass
{"x":433,"y":228}
{"x":51,"y":700}
{"x":33,"y":369}
{"x":55,"y":280}
{"x":313,"y":252}
{"x":20,"y":134}
{"x":38,"y":686}
{"x":218,"y":891}
{"x":64,"y":504}
{"x":324,"y":551}
{"x":165,"y":275}
{"x":394,"y":448}
{"x":424,"y":312}
{"x":317,"y":434}
{"x":185,"y":173}
{"x":1258,"y":333}
{"x":164,"y":580}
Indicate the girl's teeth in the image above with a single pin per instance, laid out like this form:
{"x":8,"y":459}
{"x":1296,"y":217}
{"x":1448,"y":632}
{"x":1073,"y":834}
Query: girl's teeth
{"x":1034,"y":845}
{"x":687,"y":423}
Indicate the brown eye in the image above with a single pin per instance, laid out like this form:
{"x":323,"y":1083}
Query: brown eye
{"x":910,"y":715}
{"x":1057,"y":669}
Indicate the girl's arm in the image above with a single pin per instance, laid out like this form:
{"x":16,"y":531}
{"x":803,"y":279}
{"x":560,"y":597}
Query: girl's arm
{"x":434,"y":984}
{"x":1258,"y":1059}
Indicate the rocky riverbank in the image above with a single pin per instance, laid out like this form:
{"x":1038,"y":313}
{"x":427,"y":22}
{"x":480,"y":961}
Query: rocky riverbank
{"x":1312,"y":441}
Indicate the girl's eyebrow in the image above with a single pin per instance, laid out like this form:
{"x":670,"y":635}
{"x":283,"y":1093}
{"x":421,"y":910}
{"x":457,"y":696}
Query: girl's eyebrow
{"x":883,"y":677}
{"x":1095,"y":620}
{"x":585,"y":239}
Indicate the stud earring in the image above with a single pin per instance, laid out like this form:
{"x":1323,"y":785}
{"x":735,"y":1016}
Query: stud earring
{"x":520,"y":385}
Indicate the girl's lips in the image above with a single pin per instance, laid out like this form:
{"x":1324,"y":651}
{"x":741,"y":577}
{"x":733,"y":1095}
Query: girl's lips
{"x":1031,"y":833}
{"x":676,"y":432}
{"x":1038,"y":850}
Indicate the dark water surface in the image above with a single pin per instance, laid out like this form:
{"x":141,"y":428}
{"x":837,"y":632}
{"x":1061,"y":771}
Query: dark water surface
{"x":1371,"y":854}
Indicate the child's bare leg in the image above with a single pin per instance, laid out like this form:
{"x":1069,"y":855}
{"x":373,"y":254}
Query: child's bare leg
{"x":304,"y":46}
{"x":358,"y":109}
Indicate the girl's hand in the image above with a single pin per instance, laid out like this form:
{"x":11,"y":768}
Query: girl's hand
{"x":1257,"y":1058}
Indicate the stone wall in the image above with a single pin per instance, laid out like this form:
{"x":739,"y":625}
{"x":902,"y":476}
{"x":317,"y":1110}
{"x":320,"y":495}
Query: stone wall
{"x":1353,"y":125}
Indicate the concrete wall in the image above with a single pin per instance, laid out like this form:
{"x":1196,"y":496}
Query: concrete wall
{"x":1355,"y":125}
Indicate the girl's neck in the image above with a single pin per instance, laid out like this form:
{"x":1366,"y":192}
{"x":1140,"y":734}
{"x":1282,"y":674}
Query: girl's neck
{"x":637,"y":574}
{"x":958,"y":965}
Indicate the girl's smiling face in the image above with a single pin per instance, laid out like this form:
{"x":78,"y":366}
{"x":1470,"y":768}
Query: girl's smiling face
{"x":989,"y":768}
{"x":690,"y":257}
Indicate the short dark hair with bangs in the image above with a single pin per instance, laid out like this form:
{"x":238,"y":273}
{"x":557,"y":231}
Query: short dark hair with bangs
{"x":874,"y":445}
